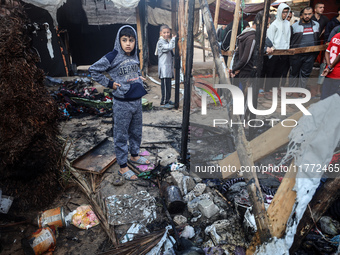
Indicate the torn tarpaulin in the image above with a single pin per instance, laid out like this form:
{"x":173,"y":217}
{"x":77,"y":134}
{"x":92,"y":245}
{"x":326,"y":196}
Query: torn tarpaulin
{"x":312,"y":142}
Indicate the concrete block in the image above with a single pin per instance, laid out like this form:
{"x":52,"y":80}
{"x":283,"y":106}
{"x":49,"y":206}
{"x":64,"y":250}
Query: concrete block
{"x":190,"y":196}
{"x":180,"y":220}
{"x":188,"y":184}
{"x":177,"y":179}
{"x":207,"y":208}
{"x":168,"y":156}
{"x":199,"y":189}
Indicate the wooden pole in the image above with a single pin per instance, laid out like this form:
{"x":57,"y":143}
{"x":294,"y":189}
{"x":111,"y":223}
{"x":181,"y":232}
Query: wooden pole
{"x":235,"y":29}
{"x":139,"y":34}
{"x":182,"y":30}
{"x":217,"y":14}
{"x":203,"y":41}
{"x":174,"y":4}
{"x":145,"y":38}
{"x":260,"y":38}
{"x":187,"y":81}
{"x":173,"y":16}
{"x":242,"y":145}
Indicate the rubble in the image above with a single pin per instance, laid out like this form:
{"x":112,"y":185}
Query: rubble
{"x":188,"y":232}
{"x":329,"y":226}
{"x":207,"y":208}
{"x":180,"y":220}
{"x":123,"y":209}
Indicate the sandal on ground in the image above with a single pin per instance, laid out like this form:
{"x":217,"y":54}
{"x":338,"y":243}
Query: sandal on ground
{"x":140,"y":161}
{"x":127,"y":175}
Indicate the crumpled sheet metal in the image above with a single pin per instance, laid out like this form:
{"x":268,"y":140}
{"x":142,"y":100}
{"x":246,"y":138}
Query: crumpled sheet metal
{"x":130,"y":208}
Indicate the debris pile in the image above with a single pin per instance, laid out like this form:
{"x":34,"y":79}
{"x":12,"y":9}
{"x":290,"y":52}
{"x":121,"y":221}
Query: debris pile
{"x":29,"y":121}
{"x":80,"y":96}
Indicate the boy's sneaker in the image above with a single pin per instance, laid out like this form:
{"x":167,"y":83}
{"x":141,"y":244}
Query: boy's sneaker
{"x":168,"y":106}
{"x":162,"y":103}
{"x":171,"y":103}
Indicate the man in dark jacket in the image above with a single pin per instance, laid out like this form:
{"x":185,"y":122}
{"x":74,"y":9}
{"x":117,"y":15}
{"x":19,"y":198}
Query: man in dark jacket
{"x":332,"y":24}
{"x":318,"y":17}
{"x":243,"y":64}
{"x":304,"y":33}
{"x":226,"y":35}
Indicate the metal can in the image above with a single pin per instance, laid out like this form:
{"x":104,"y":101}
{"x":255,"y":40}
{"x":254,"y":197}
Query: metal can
{"x":52,"y":217}
{"x":174,"y":200}
{"x":40,"y":241}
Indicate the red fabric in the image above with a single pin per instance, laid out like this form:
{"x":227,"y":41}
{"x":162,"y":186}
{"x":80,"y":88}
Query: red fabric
{"x":334,"y":50}
{"x":227,"y":8}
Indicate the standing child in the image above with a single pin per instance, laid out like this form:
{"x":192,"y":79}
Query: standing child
{"x":126,"y":81}
{"x":165,"y":64}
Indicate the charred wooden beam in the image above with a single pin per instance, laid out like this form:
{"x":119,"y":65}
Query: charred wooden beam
{"x":243,"y":147}
{"x":187,"y":82}
{"x":177,"y":64}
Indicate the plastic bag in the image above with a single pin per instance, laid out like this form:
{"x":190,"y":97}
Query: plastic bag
{"x":84,"y":218}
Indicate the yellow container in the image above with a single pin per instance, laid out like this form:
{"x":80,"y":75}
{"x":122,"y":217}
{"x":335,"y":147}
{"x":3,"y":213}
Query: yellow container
{"x":53,"y":217}
{"x":43,"y":240}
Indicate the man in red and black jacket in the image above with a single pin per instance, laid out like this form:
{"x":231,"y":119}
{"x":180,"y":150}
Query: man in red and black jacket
{"x":331,"y":84}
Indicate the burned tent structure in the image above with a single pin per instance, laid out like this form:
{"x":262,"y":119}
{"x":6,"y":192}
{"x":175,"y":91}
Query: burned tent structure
{"x":84,"y":31}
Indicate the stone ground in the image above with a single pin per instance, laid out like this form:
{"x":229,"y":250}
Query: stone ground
{"x":82,"y":133}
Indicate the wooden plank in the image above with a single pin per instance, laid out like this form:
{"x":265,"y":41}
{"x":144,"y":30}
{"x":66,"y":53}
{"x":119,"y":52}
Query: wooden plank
{"x":280,"y":208}
{"x":140,"y":38}
{"x":289,"y":51}
{"x":309,"y":49}
{"x":263,"y":145}
{"x":282,"y":204}
{"x":98,"y":159}
{"x":235,"y":29}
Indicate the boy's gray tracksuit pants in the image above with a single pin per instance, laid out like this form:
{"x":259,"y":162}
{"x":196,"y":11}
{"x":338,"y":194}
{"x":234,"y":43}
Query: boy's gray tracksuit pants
{"x":127,"y":128}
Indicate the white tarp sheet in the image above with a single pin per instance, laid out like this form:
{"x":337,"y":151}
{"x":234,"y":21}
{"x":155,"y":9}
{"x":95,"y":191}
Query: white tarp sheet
{"x":50,"y":5}
{"x":125,"y":3}
{"x":312,"y":142}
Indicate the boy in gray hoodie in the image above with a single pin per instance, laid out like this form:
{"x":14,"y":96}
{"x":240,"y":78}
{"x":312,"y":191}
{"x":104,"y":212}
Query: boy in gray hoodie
{"x":127,"y":83}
